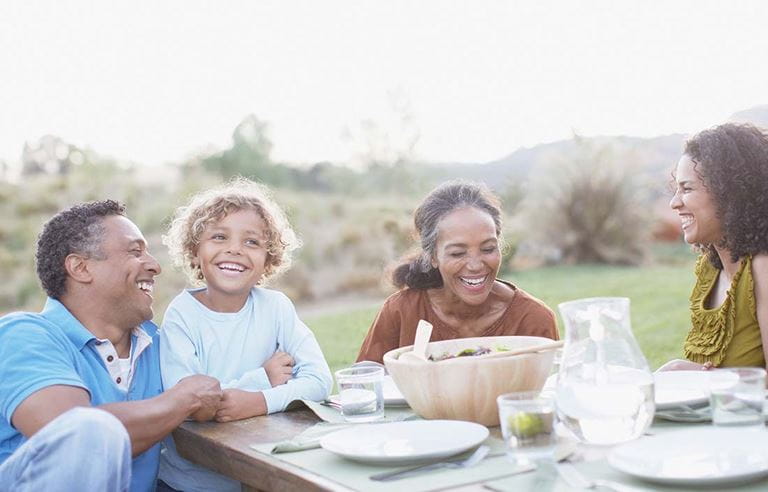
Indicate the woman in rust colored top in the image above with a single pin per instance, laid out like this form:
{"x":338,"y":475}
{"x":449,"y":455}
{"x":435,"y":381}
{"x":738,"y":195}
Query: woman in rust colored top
{"x":452,"y":281}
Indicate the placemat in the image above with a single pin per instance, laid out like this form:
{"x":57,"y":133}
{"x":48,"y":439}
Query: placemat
{"x":356,"y":475}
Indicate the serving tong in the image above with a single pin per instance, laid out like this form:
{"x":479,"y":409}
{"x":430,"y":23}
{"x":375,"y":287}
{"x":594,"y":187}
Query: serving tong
{"x":555,"y":344}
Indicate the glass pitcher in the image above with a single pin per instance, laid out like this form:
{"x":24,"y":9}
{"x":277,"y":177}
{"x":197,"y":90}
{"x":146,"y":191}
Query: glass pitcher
{"x":604,"y":386}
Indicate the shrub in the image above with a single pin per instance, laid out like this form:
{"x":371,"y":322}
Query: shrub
{"x":590,"y":205}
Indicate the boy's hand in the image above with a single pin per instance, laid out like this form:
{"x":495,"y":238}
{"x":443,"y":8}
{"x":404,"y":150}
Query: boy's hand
{"x":238,"y":404}
{"x":205,"y":394}
{"x":279,"y":368}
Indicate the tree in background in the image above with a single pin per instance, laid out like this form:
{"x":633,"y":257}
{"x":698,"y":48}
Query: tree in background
{"x":50,"y":155}
{"x":385,"y":149}
{"x":249,"y":156}
{"x":591,"y":205}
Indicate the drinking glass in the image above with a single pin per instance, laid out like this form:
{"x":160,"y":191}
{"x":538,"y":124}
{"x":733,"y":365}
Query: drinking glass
{"x":737,"y":396}
{"x":360,"y":393}
{"x":528,"y":425}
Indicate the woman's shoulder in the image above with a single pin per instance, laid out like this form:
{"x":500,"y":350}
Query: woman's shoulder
{"x":507,"y":290}
{"x":528,"y":315}
{"x":534,"y":301}
{"x":404,"y":297}
{"x":704,"y":267}
{"x":404,"y":305}
{"x":525,"y":301}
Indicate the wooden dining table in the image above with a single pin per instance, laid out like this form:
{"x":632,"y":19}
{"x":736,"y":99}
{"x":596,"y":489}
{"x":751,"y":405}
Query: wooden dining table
{"x":226,"y":449}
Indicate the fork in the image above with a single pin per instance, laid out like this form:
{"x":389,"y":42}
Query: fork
{"x":472,"y":460}
{"x":576,"y":479}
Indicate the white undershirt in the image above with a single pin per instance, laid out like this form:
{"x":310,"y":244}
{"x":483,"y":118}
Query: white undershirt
{"x":125,"y":373}
{"x":121,"y":370}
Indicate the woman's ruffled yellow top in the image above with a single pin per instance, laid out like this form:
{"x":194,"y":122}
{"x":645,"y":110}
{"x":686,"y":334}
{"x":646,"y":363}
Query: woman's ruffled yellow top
{"x":727,"y":335}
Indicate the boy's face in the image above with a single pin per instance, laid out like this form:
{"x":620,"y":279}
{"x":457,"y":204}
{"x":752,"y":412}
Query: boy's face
{"x":232,"y":253}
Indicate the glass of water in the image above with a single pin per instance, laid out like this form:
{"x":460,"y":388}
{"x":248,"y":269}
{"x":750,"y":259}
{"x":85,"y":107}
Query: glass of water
{"x":528,"y":425}
{"x":360,"y":393}
{"x":737,"y":396}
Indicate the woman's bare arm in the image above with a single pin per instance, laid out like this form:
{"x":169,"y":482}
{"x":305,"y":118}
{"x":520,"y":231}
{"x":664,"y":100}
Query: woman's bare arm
{"x":760,"y":279}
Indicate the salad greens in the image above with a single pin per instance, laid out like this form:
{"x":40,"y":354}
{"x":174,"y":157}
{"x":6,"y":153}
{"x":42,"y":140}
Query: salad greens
{"x":468,"y":352}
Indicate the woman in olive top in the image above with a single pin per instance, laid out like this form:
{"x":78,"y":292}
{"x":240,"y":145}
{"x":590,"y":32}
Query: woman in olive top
{"x":452,"y":282}
{"x":721,"y":197}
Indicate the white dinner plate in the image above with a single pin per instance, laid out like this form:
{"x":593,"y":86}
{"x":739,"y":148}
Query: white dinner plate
{"x":699,"y":456}
{"x":404,"y":442}
{"x":675,"y":388}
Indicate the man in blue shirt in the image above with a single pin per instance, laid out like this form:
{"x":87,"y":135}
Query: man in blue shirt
{"x":81,"y":399}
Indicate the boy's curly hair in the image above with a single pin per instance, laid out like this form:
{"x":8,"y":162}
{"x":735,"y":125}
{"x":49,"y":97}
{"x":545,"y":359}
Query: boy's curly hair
{"x":212,"y":205}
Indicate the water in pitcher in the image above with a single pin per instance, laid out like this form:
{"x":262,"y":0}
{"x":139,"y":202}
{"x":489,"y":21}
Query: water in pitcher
{"x":604,"y":385}
{"x":610,"y":412}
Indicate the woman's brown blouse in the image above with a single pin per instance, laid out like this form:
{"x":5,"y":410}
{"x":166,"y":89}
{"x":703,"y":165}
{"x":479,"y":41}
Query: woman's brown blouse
{"x":395,"y":325}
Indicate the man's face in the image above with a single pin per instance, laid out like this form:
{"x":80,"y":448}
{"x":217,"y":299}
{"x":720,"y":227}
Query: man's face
{"x":124,"y":279}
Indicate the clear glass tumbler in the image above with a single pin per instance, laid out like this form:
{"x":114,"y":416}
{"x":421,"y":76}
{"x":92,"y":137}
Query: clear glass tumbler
{"x":360,"y":393}
{"x":737,"y":396}
{"x":527,"y":421}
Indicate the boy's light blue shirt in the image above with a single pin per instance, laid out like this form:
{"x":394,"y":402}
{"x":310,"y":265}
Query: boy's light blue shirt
{"x":233,"y":347}
{"x":38,"y":350}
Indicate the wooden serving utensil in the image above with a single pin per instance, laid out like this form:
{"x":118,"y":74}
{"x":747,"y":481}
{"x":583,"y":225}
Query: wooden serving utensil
{"x":423,"y":333}
{"x":555,"y":344}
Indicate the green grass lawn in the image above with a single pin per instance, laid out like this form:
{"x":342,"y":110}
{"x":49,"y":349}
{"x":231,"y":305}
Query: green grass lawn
{"x":659,"y":306}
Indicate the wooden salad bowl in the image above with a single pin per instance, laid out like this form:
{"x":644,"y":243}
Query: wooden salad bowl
{"x":465,"y":388}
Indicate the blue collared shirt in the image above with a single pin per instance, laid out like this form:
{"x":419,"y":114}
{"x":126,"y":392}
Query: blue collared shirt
{"x":38,"y":350}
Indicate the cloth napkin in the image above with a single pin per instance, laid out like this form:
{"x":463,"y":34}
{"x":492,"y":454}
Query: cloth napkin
{"x":332,"y":421}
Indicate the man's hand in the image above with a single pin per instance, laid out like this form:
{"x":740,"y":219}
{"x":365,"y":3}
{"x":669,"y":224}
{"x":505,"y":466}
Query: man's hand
{"x":279,"y":368}
{"x":204,"y":393}
{"x":238,"y":404}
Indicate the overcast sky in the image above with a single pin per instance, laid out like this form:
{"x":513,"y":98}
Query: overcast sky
{"x":158,"y":81}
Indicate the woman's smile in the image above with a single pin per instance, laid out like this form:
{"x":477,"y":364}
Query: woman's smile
{"x":474,"y":283}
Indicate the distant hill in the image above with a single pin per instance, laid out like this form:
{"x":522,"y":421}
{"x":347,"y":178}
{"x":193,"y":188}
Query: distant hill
{"x":757,"y":116}
{"x":657,"y":154}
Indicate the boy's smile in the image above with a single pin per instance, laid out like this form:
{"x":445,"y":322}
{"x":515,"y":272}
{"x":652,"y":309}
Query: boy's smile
{"x":232,"y":254}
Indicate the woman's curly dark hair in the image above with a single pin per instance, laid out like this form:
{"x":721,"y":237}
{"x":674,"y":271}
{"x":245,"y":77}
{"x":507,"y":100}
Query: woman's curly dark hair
{"x":732,"y":160}
{"x":78,"y":229}
{"x":416,"y":270}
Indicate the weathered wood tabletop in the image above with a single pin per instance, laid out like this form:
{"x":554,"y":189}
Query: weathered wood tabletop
{"x":226,"y":448}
